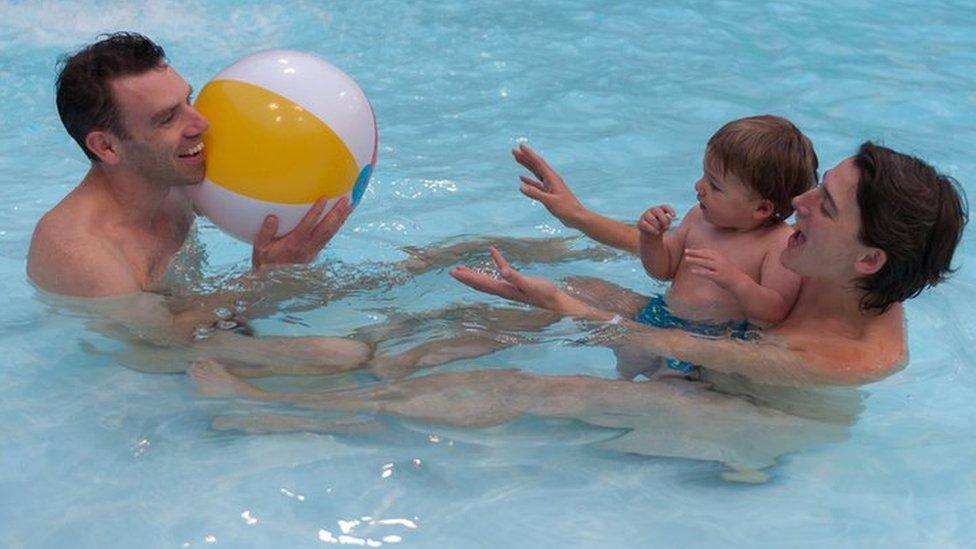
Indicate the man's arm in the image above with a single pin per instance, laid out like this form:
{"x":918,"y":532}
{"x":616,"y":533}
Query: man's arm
{"x":82,"y":267}
{"x":78,"y":266}
{"x":91,"y":279}
{"x":552,"y":192}
{"x":303,"y":243}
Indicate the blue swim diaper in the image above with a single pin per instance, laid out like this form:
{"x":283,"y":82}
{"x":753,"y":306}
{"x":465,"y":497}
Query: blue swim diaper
{"x":657,"y":314}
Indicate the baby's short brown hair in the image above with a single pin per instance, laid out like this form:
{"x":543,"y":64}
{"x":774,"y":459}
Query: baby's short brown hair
{"x":770,"y":155}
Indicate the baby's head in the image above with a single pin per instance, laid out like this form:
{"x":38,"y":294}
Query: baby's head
{"x":770,"y":156}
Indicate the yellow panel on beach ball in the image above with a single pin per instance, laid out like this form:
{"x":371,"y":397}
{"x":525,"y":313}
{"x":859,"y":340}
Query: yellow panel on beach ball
{"x":265,"y":146}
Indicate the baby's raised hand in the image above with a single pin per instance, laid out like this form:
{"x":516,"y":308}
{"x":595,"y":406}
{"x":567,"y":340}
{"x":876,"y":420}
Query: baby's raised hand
{"x":656,"y":221}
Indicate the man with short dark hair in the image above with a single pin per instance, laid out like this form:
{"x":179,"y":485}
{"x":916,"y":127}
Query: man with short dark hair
{"x":116,"y":233}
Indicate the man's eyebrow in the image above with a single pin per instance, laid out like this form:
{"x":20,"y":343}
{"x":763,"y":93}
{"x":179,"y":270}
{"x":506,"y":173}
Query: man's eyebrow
{"x":829,"y":197}
{"x":161,"y":115}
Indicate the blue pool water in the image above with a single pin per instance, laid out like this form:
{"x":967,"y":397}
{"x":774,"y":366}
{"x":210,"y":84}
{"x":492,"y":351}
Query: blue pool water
{"x":620,"y":97}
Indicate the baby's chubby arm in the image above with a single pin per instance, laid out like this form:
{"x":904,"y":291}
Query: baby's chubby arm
{"x":552,"y":192}
{"x":767,"y":301}
{"x":660,"y":250}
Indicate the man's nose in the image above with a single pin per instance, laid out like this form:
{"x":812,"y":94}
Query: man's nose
{"x":198,"y":123}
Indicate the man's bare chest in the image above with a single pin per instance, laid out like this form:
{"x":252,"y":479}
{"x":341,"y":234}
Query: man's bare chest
{"x":148,"y":252}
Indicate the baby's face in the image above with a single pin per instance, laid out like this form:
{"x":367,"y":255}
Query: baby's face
{"x":725,"y":200}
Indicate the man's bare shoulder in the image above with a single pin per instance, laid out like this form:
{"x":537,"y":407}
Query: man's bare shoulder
{"x":66,"y":257}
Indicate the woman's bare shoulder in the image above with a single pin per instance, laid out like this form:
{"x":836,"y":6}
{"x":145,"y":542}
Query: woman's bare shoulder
{"x":869,"y":351}
{"x":776,"y":237}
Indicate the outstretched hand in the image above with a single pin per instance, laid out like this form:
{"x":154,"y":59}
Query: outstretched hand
{"x":549,"y":189}
{"x":303,"y":243}
{"x":515,"y":286}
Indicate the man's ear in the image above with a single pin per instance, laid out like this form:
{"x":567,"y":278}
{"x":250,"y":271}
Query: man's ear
{"x":871,"y":261}
{"x":103,"y":145}
{"x":764,"y":210}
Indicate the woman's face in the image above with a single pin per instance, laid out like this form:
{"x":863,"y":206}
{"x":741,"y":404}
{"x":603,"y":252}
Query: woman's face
{"x":825,"y":239}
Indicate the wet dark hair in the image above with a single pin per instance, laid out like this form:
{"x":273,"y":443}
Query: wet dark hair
{"x":913,"y":213}
{"x":84,"y":98}
{"x":770,"y":155}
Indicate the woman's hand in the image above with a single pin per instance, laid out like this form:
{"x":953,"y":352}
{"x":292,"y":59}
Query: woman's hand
{"x":549,"y":189}
{"x":530,"y":290}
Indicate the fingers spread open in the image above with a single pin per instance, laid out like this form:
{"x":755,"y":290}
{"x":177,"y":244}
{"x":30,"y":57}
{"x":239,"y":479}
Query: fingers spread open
{"x":541,"y":185}
{"x":267,"y":232}
{"x":307,"y":224}
{"x":534,"y":193}
{"x":496,"y":256}
{"x":482,"y":282}
{"x":329,"y":225}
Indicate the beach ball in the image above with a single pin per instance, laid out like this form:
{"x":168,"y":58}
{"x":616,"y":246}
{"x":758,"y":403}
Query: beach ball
{"x":286,"y":128}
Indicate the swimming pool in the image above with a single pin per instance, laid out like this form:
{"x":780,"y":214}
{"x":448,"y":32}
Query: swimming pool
{"x":620,"y":99}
